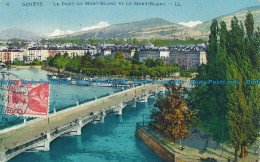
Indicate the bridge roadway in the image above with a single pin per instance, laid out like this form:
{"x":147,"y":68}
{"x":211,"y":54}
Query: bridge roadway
{"x":36,"y":135}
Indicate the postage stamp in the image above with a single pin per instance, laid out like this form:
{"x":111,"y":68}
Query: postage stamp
{"x":31,"y":100}
{"x":18,"y":100}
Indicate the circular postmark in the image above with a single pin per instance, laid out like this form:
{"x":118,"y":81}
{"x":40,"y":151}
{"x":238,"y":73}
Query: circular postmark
{"x":14,"y":98}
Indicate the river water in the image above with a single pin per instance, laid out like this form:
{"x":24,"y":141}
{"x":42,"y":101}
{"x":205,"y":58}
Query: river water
{"x":113,"y":140}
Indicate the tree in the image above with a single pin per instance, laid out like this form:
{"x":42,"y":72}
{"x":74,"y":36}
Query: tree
{"x":86,"y":61}
{"x":99,"y":62}
{"x":135,"y":59}
{"x":135,"y":41}
{"x":50,"y":60}
{"x":74,"y":64}
{"x":129,"y":41}
{"x":173,"y":118}
{"x":249,"y":24}
{"x":119,"y":55}
{"x":245,"y":106}
{"x":210,"y":99}
{"x":121,"y":41}
{"x":17,"y":62}
{"x":36,"y":62}
{"x":60,"y":62}
{"x":135,"y":67}
{"x":159,"y":62}
{"x":149,"y":62}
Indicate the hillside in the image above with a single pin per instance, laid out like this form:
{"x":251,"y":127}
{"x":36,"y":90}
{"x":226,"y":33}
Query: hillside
{"x":146,"y":29}
{"x":203,"y":29}
{"x":158,"y":28}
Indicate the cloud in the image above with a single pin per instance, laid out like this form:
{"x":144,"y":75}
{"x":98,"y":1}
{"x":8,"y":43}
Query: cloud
{"x":58,"y":32}
{"x":100,"y":25}
{"x":191,"y":23}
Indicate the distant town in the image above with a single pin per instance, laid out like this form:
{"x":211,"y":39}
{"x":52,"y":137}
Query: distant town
{"x":186,"y":56}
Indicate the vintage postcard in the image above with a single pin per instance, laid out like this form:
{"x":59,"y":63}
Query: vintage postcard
{"x":129,"y":80}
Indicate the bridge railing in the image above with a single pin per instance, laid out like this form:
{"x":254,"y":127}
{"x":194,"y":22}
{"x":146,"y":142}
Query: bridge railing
{"x":54,"y":132}
{"x":10,"y":151}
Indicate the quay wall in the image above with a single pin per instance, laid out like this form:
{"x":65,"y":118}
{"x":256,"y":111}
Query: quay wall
{"x":156,"y":145}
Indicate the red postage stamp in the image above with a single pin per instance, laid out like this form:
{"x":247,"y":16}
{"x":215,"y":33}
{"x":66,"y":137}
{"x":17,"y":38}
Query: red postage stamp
{"x":30,"y":100}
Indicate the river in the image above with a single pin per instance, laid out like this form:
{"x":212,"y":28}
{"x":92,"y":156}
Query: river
{"x":113,"y":140}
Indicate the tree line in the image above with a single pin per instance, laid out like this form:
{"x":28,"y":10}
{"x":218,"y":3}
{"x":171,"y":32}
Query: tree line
{"x":132,"y":41}
{"x":116,"y":65}
{"x":230,"y":112}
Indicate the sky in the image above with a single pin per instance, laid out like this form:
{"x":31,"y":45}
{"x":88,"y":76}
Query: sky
{"x":47,"y":18}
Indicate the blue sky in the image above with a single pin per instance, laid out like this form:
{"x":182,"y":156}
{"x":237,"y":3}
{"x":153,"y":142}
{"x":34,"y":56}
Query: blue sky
{"x":48,"y":18}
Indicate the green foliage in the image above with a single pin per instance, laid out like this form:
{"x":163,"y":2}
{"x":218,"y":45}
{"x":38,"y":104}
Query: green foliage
{"x":74,"y":64}
{"x":50,"y":61}
{"x":186,"y":74}
{"x":36,"y":62}
{"x":60,"y":61}
{"x":19,"y":63}
{"x":135,"y":59}
{"x":149,"y":62}
{"x":208,"y":99}
{"x":108,"y":65}
{"x":230,"y":112}
{"x":159,"y":42}
{"x":16,"y":43}
{"x":159,"y":62}
{"x":243,"y":99}
{"x":62,"y":41}
{"x":156,"y":42}
{"x":86,"y":61}
{"x":135,"y":41}
{"x":119,"y":55}
{"x":121,"y":41}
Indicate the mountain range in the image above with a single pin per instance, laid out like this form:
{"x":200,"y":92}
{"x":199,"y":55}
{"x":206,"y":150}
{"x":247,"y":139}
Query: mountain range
{"x":154,"y":28}
{"x":19,"y":34}
{"x":157,"y":28}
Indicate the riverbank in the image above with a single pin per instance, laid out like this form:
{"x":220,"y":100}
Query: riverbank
{"x":117,"y":77}
{"x":198,"y":146}
{"x":54,"y":70}
{"x":155,"y":144}
{"x":27,"y":66}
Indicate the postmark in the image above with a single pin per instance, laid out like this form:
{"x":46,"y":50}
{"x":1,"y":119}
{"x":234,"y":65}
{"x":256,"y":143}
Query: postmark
{"x":18,"y":100}
{"x":14,"y":98}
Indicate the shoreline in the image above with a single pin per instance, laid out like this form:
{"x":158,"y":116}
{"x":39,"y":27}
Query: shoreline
{"x":26,"y":66}
{"x":53,"y":70}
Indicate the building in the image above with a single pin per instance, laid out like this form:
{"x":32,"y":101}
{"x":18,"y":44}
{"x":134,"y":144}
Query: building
{"x":128,"y":53}
{"x":17,"y":55}
{"x":188,"y":59}
{"x":106,"y":51}
{"x":145,"y":54}
{"x":165,"y":56}
{"x":38,"y":53}
{"x":5,"y":56}
{"x":203,"y":58}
